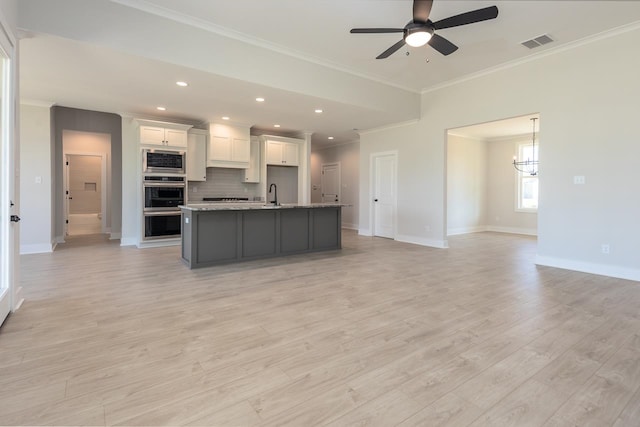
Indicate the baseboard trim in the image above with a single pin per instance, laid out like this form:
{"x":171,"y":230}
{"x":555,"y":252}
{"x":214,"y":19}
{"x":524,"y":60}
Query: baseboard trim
{"x":512,"y":230}
{"x":115,"y":236}
{"x":365,"y":232}
{"x":350,"y":226}
{"x":38,"y":248}
{"x":59,"y":239}
{"x":128,"y":241}
{"x":591,"y":268}
{"x":159,"y":243}
{"x":466,"y":230}
{"x":433,"y":243}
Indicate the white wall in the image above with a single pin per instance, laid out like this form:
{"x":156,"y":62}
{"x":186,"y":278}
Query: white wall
{"x":588,"y":112}
{"x":348,"y":155}
{"x":36,"y":233}
{"x":131,"y":183}
{"x":467,"y":164}
{"x":502,"y":189}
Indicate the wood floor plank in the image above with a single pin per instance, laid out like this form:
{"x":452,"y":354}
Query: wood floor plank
{"x":448,"y":411}
{"x":381,"y":332}
{"x":528,"y":406}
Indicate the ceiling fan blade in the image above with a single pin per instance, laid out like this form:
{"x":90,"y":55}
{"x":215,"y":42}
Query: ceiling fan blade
{"x":442,"y":45}
{"x":376,"y":30}
{"x":479,"y":15}
{"x":421,"y":10}
{"x":391,"y":50}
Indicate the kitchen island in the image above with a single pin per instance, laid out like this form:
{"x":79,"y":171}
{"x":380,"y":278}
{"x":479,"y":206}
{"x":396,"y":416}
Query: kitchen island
{"x":221,"y":233}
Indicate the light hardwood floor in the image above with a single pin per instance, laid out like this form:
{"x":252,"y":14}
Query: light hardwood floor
{"x":380,"y":333}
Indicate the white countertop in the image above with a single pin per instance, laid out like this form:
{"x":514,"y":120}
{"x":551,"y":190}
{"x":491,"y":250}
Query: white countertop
{"x":243,"y":206}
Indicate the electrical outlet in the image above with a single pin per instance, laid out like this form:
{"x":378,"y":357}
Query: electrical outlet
{"x":579,"y":179}
{"x":605,"y":248}
{"x":427,"y":228}
{"x":194,"y":189}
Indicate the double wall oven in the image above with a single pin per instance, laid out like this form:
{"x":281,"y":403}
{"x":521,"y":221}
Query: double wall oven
{"x":163,"y":190}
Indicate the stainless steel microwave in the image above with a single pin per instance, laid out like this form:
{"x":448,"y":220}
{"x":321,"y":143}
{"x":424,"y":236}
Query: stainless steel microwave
{"x":163,"y":161}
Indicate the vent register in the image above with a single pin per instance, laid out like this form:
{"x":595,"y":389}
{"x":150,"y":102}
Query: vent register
{"x":537,"y":41}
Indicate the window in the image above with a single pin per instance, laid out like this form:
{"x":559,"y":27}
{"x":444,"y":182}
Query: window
{"x":527,"y":184}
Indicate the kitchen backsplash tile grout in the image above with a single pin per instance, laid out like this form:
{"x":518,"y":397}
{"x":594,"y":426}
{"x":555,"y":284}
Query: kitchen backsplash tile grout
{"x":222,"y":182}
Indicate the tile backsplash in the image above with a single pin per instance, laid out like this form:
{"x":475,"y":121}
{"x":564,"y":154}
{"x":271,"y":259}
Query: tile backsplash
{"x":222,"y":182}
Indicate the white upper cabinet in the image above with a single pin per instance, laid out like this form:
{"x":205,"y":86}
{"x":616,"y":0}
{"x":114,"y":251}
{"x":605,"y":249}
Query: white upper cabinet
{"x":163,"y":134}
{"x":252,"y":174}
{"x":229,"y":146}
{"x":197,"y":156}
{"x":282,"y":153}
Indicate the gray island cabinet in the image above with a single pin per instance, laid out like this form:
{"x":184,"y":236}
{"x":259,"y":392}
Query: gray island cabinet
{"x":215,"y":234}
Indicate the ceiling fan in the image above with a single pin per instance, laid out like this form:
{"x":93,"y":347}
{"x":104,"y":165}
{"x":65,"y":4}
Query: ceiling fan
{"x":421,"y":30}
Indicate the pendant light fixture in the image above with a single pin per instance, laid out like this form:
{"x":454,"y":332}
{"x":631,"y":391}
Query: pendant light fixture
{"x":529,"y":166}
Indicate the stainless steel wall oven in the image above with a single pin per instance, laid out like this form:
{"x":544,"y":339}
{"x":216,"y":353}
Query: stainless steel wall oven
{"x":162,"y":196}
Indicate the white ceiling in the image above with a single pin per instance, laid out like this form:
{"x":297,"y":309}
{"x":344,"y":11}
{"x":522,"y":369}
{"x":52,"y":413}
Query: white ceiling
{"x":513,"y":126}
{"x":124,"y":56}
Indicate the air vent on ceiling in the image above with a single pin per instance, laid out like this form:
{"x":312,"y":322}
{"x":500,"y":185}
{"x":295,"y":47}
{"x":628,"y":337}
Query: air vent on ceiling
{"x":538,"y":41}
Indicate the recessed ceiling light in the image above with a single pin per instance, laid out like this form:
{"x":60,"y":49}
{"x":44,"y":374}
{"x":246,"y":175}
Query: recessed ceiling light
{"x":161,"y":108}
{"x":276,"y":126}
{"x":318,"y":110}
{"x":330,"y":137}
{"x":182,"y":84}
{"x":260,"y":99}
{"x":225,"y":118}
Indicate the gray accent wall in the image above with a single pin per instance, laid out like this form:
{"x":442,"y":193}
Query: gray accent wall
{"x":348,"y":155}
{"x":64,"y":118}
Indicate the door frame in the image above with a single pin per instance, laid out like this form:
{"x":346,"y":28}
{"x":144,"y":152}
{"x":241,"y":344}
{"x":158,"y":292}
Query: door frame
{"x":372,"y":190}
{"x":339,"y":179}
{"x":10,"y":300}
{"x":103,"y":190}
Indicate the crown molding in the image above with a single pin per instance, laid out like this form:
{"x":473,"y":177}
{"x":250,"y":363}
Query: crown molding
{"x":388,"y":127}
{"x":536,"y":56}
{"x":37,"y":103}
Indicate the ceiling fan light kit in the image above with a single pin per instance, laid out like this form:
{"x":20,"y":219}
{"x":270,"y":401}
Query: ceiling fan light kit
{"x":421,"y":30}
{"x":417,"y":35}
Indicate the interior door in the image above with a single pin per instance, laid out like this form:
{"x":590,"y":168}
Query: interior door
{"x":330,"y":182}
{"x":384,"y":200}
{"x":8,"y":203}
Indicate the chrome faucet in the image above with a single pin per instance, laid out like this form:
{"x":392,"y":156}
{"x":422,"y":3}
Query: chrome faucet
{"x":275,"y":198}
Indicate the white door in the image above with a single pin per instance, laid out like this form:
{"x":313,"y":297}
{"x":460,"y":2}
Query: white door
{"x":330,"y":183}
{"x":384,"y":195}
{"x":8,"y":192}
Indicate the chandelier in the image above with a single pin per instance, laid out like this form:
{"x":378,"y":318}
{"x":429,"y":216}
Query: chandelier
{"x":529,"y":166}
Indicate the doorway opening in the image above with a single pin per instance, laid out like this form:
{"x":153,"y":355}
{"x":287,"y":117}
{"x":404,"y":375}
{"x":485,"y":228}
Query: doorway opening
{"x":484,"y":190}
{"x":86,"y":183}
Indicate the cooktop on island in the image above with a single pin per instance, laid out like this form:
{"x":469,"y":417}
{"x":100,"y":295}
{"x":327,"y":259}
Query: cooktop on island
{"x":225,"y":199}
